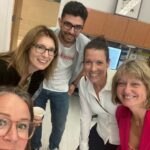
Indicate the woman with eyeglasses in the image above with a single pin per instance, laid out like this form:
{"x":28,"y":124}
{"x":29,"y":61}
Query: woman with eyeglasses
{"x":33,"y":60}
{"x":95,"y":98}
{"x":16,"y":119}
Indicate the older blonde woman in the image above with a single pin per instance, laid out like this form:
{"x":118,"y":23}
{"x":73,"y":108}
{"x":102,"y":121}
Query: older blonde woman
{"x":131,"y":88}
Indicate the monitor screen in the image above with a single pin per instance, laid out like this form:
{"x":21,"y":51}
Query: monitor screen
{"x":114,"y":55}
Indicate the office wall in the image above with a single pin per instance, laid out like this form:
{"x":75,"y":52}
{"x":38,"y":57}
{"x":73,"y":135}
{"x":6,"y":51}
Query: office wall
{"x":6,"y":11}
{"x":110,"y":5}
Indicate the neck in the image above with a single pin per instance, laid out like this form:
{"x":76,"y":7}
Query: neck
{"x":98,"y":87}
{"x":138,"y":117}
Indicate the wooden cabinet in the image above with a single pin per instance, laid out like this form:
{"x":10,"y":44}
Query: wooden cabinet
{"x":95,"y":22}
{"x":118,"y":28}
{"x":115,"y":27}
{"x":136,"y":33}
{"x":147,"y":39}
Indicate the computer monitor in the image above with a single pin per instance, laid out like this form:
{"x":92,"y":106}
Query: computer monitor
{"x":114,"y":55}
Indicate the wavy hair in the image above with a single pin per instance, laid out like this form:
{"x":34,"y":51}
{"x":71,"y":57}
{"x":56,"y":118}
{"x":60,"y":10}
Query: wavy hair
{"x":19,"y":58}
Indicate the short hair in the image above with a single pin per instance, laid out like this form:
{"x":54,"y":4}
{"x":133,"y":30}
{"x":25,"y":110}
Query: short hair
{"x":136,"y":68}
{"x":98,"y":43}
{"x":76,"y":9}
{"x":19,"y":58}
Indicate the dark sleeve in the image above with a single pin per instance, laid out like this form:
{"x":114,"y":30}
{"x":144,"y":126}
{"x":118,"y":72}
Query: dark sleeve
{"x":8,"y":76}
{"x":35,"y":82}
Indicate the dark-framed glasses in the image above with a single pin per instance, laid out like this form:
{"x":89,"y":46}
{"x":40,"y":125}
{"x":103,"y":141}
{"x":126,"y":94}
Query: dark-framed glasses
{"x":24,"y":128}
{"x":40,"y":48}
{"x":68,"y":25}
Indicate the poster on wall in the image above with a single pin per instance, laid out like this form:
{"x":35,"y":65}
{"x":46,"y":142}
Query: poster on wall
{"x":128,"y":8}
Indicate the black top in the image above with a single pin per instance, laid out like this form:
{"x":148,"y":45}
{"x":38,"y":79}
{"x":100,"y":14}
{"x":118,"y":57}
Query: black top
{"x":9,"y":76}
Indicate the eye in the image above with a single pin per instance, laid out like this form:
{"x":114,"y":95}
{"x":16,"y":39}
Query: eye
{"x":99,"y":62}
{"x":3,"y":123}
{"x":41,"y":47}
{"x":78,"y":27}
{"x":135,"y":84}
{"x":121,"y":83}
{"x":23,"y":126}
{"x":87,"y":62}
{"x":51,"y":49}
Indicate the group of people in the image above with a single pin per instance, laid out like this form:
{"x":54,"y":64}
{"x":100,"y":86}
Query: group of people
{"x":48,"y":65}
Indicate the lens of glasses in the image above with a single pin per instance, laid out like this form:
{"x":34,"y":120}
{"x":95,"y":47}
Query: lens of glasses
{"x":69,"y":25}
{"x":25,"y":129}
{"x":41,"y":49}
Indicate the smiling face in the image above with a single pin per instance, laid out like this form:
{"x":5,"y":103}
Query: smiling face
{"x":8,"y":109}
{"x":95,"y":65}
{"x":131,"y":91}
{"x":68,"y":33}
{"x":37,"y":60}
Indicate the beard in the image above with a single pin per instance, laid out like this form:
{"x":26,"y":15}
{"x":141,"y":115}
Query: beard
{"x":67,"y":38}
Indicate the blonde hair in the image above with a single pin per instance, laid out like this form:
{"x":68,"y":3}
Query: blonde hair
{"x":19,"y":58}
{"x":137,"y":68}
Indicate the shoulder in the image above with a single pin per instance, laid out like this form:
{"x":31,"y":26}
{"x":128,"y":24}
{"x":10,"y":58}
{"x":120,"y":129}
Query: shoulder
{"x":82,"y":81}
{"x":122,"y":112}
{"x":83,"y":38}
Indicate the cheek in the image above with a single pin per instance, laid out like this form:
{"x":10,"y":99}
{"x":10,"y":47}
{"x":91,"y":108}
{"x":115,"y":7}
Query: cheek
{"x":21,"y":144}
{"x":119,"y":91}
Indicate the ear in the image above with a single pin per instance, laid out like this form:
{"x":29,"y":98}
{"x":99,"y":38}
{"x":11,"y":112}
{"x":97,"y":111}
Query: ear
{"x":59,"y":22}
{"x":108,"y":63}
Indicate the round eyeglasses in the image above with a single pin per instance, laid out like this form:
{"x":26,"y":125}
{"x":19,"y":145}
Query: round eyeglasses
{"x":25,"y":128}
{"x":40,"y":48}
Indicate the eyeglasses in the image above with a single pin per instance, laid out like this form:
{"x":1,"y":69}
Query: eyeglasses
{"x":42,"y":49}
{"x":25,"y":128}
{"x":69,"y":25}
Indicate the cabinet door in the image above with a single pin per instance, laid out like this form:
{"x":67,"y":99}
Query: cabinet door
{"x":94,"y":23}
{"x":115,"y":26}
{"x":147,"y":40}
{"x":136,"y":33}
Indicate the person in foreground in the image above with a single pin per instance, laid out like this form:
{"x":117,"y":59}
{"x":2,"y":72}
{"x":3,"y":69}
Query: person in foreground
{"x":95,"y":98}
{"x":16,"y":119}
{"x":67,"y":73}
{"x":33,"y":59}
{"x":131,"y":88}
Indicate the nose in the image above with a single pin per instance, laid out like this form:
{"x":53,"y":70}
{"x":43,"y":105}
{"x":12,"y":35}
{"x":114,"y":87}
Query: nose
{"x":72,"y":30}
{"x":12,"y":134}
{"x":93,"y":67}
{"x":46,"y":53}
{"x":127,"y":88}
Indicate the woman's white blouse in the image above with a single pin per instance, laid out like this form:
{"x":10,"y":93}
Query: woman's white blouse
{"x":106,"y":122}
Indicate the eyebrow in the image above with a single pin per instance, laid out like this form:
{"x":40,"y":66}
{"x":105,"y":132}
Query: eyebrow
{"x":7,"y":115}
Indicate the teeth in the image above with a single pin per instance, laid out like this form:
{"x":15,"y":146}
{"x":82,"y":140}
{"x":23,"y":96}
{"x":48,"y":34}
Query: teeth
{"x":128,"y":96}
{"x":93,"y":75}
{"x":43,"y":61}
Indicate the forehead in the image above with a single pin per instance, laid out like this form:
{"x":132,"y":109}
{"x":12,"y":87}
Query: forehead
{"x":46,"y":40}
{"x":14,"y":106}
{"x":95,"y":53}
{"x":75,"y":20}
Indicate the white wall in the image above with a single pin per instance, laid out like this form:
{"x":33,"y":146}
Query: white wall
{"x":6,"y":11}
{"x":110,"y":5}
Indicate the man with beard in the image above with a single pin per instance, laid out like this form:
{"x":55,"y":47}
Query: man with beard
{"x":67,"y":73}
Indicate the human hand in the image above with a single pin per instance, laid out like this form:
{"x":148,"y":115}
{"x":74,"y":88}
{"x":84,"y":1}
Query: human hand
{"x":71,"y":89}
{"x":37,"y":121}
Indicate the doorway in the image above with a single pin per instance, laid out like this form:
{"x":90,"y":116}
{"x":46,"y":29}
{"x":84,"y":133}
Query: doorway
{"x":29,"y":13}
